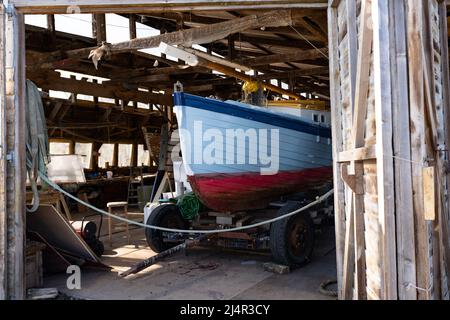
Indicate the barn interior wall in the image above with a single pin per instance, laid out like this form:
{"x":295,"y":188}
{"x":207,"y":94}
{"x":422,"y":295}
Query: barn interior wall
{"x":411,"y":113}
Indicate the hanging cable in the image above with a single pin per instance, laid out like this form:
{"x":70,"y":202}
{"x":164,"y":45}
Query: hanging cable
{"x":143,"y":225}
{"x":312,"y":44}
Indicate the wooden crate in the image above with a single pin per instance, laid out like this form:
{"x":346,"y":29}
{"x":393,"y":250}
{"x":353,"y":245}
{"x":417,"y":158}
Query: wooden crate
{"x":34,"y":272}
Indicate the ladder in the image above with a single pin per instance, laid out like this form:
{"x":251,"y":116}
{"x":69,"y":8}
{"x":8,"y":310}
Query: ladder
{"x":165,"y":165}
{"x":136,"y":180}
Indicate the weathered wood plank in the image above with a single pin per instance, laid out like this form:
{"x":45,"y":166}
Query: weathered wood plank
{"x":339,"y":204}
{"x":385,"y":168}
{"x":188,"y":37}
{"x":14,"y":63}
{"x":53,"y":82}
{"x":429,"y":193}
{"x":285,"y":57}
{"x":406,"y":259}
{"x":139,"y":6}
{"x":418,"y":154}
{"x":446,"y":135}
{"x":3,"y":176}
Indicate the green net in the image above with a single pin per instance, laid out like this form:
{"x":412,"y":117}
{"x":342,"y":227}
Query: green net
{"x":189,"y":206}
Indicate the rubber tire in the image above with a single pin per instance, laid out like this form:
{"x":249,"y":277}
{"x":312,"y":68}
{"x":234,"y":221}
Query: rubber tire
{"x":279,"y":237}
{"x":159,"y":217}
{"x":99,"y":248}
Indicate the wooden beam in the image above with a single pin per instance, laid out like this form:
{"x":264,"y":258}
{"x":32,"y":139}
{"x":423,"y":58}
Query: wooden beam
{"x":240,"y":75}
{"x":336,"y":105}
{"x":3,"y":172}
{"x":51,"y":23}
{"x":292,"y":74}
{"x":418,"y":152}
{"x":444,"y":35}
{"x":115,"y":161}
{"x":359,"y":66}
{"x":406,"y":253}
{"x":358,"y":154}
{"x":13,"y":173}
{"x":286,"y":57}
{"x":55,"y":111}
{"x":385,"y":168}
{"x":201,"y":35}
{"x":52,"y":81}
{"x":132,"y":26}
{"x":99,"y":27}
{"x":139,"y":6}
{"x":134,"y":155}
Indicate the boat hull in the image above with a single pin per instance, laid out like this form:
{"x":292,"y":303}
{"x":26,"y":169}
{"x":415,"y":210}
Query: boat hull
{"x":300,"y":153}
{"x":249,"y":191}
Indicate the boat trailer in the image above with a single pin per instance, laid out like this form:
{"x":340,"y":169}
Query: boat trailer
{"x":289,"y":240}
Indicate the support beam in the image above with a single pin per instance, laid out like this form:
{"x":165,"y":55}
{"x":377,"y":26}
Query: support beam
{"x":406,"y":258}
{"x":385,"y":167}
{"x":51,"y":23}
{"x":139,"y":6}
{"x":418,"y":152}
{"x":13,"y":170}
{"x":226,"y":70}
{"x":201,"y":35}
{"x":134,"y":155}
{"x":316,"y":71}
{"x":52,"y":81}
{"x":115,"y":161}
{"x":99,"y":27}
{"x":336,"y":119}
{"x":132,"y":26}
{"x":95,"y":155}
{"x":286,"y":57}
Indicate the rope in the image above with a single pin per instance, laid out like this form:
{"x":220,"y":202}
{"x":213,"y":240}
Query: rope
{"x":312,"y":44}
{"x":36,"y":140}
{"x":323,"y":288}
{"x":139,"y":224}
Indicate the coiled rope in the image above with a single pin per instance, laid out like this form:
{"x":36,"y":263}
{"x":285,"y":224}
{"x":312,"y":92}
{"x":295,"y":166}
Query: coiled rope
{"x":143,"y":225}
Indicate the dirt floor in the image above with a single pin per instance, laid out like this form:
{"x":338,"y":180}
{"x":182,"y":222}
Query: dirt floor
{"x":203,"y":273}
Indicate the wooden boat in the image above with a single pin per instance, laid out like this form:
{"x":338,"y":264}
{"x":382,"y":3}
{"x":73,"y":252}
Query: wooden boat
{"x":213,"y":148}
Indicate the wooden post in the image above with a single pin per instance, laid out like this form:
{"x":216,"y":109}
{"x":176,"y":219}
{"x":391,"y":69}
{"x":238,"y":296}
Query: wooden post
{"x":133,"y":35}
{"x":132,"y":25}
{"x":231,"y":49}
{"x":406,"y":259}
{"x":72,"y":147}
{"x":115,"y":162}
{"x":3,"y":175}
{"x":336,"y":106}
{"x":385,"y":167}
{"x":134,"y":155}
{"x":446,"y":119}
{"x":95,"y":155}
{"x":418,"y":152}
{"x":13,"y":171}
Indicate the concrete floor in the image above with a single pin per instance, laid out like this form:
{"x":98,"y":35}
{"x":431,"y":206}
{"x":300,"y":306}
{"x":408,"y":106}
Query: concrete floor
{"x":201,"y":274}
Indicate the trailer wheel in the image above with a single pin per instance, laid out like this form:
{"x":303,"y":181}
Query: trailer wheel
{"x":168,"y":216}
{"x":292,"y":239}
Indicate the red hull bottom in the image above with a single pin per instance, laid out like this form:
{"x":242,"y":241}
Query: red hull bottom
{"x":249,"y":191}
